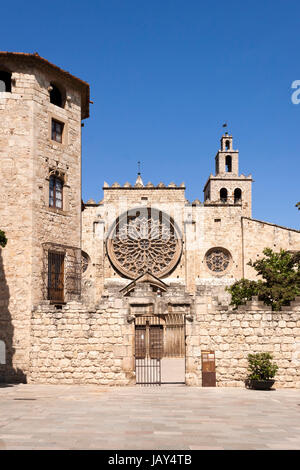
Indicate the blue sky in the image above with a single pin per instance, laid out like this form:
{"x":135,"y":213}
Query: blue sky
{"x":165,"y":75}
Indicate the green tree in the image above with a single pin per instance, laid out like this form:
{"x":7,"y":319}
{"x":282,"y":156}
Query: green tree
{"x":261,"y":367}
{"x":3,"y":239}
{"x":298,"y":205}
{"x":280,"y":283}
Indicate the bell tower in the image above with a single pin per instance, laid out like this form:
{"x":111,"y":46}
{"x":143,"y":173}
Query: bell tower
{"x":227,"y":187}
{"x":227,"y":159}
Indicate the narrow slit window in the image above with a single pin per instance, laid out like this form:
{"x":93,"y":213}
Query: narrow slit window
{"x":228,"y":163}
{"x":2,"y":352}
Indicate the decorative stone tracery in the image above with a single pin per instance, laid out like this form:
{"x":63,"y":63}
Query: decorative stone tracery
{"x":217,"y":259}
{"x":144,"y":240}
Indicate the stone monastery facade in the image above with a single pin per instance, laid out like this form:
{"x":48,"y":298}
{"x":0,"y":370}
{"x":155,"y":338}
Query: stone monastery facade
{"x":129,"y":290}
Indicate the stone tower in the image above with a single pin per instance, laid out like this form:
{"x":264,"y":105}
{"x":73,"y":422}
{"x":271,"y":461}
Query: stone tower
{"x":41,"y":109}
{"x":227,"y":187}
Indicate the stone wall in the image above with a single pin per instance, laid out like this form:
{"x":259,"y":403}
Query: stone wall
{"x":216,"y":183}
{"x":27,"y":155}
{"x":203,"y":227}
{"x":233,"y":334}
{"x":77,"y":345}
{"x":16,"y":218}
{"x":257,"y":235}
{"x":52,"y":225}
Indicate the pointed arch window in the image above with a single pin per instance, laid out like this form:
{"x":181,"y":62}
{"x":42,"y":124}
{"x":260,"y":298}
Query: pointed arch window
{"x":223,"y":195}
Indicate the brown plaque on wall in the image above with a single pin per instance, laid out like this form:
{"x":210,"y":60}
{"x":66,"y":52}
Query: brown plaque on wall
{"x":208,"y":369}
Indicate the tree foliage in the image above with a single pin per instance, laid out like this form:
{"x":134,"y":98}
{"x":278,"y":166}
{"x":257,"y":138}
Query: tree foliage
{"x":3,"y":239}
{"x":242,"y":290}
{"x":280,"y":283}
{"x":298,"y":205}
{"x":261,"y":367}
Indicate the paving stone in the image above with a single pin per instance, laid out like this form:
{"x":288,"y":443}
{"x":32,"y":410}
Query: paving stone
{"x":182,"y":418}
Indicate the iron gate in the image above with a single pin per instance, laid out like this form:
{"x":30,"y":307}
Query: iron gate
{"x":148,"y":350}
{"x":56,"y":276}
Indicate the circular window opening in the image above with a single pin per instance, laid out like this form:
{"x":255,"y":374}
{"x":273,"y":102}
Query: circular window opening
{"x":144,"y":240}
{"x":217,"y":260}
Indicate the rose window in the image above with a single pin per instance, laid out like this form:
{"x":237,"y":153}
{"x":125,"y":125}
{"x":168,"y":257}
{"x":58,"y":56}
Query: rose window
{"x":144,"y":240}
{"x":218,"y":259}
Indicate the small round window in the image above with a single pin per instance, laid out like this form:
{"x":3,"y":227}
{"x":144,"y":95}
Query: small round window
{"x":217,"y":260}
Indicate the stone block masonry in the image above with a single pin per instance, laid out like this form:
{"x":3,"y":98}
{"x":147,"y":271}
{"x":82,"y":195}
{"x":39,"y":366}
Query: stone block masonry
{"x":232,"y":335}
{"x":87,"y":334}
{"x":29,"y":154}
{"x":76,"y":345}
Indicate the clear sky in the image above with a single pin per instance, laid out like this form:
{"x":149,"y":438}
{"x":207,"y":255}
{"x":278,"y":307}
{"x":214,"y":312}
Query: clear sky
{"x":165,"y":75}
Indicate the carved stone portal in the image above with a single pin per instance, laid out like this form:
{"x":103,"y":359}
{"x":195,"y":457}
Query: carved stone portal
{"x":142,"y":240}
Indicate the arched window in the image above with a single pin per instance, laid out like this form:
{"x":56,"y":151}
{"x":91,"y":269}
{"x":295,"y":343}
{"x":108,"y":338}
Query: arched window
{"x":5,"y":81}
{"x":227,"y":145}
{"x":56,"y":96}
{"x":223,"y":195}
{"x":2,"y":352}
{"x":55,"y":192}
{"x":237,"y":195}
{"x":228,"y":163}
{"x":85,"y":260}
